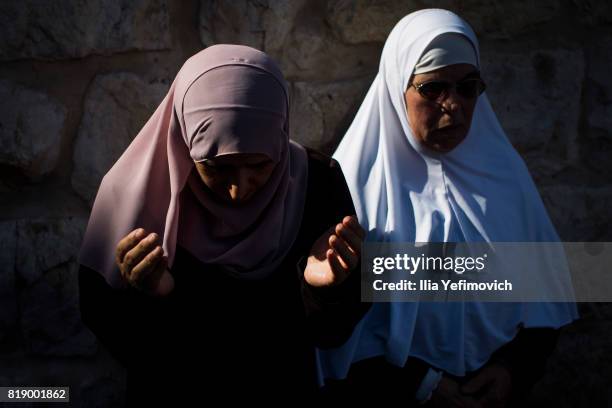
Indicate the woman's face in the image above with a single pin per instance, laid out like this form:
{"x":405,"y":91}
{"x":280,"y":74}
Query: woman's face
{"x":235,"y":178}
{"x":441,"y":124}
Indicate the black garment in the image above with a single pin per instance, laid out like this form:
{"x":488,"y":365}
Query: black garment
{"x":216,"y":336}
{"x":375,"y":380}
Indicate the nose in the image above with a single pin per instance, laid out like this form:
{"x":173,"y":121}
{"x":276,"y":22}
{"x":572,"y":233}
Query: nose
{"x":240,"y":186}
{"x":452,"y":104}
{"x":452,"y":99}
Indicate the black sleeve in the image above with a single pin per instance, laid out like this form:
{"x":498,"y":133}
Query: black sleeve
{"x":123,"y":320}
{"x":331,"y":313}
{"x":526,"y":356}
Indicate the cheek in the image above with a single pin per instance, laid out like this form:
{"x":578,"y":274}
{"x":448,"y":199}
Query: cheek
{"x":422,"y":119}
{"x":260,"y":178}
{"x":213,"y":182}
{"x":421,"y":116}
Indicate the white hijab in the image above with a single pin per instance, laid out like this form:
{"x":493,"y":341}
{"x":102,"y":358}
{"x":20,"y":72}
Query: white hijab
{"x":479,"y":192}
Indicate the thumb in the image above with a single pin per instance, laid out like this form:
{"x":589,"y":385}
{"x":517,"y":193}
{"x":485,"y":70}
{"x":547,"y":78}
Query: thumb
{"x":475,"y":384}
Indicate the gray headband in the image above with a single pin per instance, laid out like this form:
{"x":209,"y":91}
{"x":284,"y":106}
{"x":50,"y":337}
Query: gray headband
{"x":446,"y":49}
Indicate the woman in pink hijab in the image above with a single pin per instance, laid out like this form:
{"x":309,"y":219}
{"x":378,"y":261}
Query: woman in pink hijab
{"x":219,"y":253}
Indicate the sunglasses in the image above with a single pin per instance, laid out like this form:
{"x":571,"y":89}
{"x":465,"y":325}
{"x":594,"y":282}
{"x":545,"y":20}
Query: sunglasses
{"x":435,"y":90}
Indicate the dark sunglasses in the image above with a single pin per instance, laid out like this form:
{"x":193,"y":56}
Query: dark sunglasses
{"x":469,"y":88}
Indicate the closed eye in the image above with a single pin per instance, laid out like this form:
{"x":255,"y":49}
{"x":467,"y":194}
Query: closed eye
{"x":211,"y":166}
{"x":259,"y":165}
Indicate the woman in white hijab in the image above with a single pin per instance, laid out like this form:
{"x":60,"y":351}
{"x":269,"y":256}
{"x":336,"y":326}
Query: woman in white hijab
{"x":426,"y":160}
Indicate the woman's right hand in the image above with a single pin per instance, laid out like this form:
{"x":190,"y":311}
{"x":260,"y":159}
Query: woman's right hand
{"x":448,"y":394}
{"x":142,"y":263}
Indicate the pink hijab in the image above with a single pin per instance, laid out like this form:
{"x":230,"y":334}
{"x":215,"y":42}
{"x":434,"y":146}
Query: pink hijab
{"x":225,"y":99}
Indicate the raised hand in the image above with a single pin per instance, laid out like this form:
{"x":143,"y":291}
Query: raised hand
{"x":491,"y":386}
{"x":142,"y":263}
{"x":335,"y":254}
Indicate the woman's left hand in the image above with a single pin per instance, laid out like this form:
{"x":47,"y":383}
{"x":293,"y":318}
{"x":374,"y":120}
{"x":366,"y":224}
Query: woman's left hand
{"x":491,"y":386}
{"x":335,"y":254}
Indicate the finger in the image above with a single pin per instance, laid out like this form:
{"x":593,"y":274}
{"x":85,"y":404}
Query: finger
{"x":159,"y":282}
{"x":152,"y":279}
{"x":338,"y":270}
{"x":146,"y":267}
{"x":475,"y":384}
{"x":352,"y":222}
{"x":137,"y":254}
{"x":128,"y":242}
{"x":335,"y":240}
{"x":351,"y":238}
{"x":348,"y":258}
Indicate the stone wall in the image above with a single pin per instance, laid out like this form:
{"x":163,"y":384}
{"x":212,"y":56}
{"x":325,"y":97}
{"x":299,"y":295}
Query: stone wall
{"x":78,"y":79}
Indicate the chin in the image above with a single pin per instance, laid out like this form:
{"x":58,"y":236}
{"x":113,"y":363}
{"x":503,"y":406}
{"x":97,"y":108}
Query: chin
{"x":445,"y":142}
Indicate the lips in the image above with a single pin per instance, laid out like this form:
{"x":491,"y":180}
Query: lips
{"x":448,"y":133}
{"x":447,"y":137}
{"x":446,"y":128}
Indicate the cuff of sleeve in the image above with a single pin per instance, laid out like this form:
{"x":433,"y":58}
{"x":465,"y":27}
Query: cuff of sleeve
{"x":428,"y":385}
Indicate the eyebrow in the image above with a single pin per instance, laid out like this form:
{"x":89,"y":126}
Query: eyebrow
{"x":473,"y":74}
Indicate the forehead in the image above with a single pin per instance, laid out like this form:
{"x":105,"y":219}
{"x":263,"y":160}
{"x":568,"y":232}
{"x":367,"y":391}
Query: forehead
{"x":450,"y":73}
